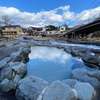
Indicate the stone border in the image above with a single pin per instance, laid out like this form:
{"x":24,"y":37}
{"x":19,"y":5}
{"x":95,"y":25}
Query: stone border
{"x":12,"y":71}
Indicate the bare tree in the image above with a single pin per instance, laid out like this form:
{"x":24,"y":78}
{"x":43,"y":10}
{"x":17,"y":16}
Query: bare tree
{"x":5,"y":20}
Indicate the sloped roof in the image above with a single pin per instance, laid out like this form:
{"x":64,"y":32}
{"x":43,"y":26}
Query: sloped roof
{"x":13,"y":26}
{"x":36,"y":28}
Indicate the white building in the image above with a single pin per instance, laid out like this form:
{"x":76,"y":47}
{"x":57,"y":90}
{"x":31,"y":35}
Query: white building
{"x":63,"y":28}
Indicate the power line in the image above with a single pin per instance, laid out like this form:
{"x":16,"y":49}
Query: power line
{"x":90,"y":4}
{"x":96,"y":4}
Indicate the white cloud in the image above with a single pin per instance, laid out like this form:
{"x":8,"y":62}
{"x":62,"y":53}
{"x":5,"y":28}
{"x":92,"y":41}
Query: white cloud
{"x":52,"y":17}
{"x":61,"y":14}
{"x":8,"y":11}
{"x":87,"y":15}
{"x":64,"y":8}
{"x":68,"y":15}
{"x":50,"y":54}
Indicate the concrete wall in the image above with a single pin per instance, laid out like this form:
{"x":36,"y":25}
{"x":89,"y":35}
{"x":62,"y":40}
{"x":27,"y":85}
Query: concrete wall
{"x":12,"y":31}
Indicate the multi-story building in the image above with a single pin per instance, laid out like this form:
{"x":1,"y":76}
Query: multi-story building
{"x":12,"y":30}
{"x":63,"y":28}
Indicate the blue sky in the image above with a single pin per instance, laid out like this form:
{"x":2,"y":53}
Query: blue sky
{"x":45,"y":12}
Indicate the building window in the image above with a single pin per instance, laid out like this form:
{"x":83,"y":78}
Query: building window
{"x":62,"y":28}
{"x":14,"y":27}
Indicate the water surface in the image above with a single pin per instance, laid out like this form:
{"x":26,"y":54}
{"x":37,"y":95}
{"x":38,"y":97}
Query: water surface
{"x":50,"y":63}
{"x":63,"y":43}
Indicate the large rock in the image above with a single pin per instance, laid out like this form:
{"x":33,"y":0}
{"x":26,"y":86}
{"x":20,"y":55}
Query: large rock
{"x":11,"y":64}
{"x":16,"y":56}
{"x":78,"y":73}
{"x":7,"y":59}
{"x":26,"y":50}
{"x":75,"y":52}
{"x":70,"y":82}
{"x":95,"y":74}
{"x":30,"y":87}
{"x":90,"y":57}
{"x":16,"y":79}
{"x":91,"y":80}
{"x":24,"y":53}
{"x":12,"y":69}
{"x":97,"y":51}
{"x":40,"y":97}
{"x":67,"y":49}
{"x":6,"y":85}
{"x":20,"y":69}
{"x":6,"y":73}
{"x":2,"y":64}
{"x":21,"y":55}
{"x":59,"y":91}
{"x":24,"y":57}
{"x":85,"y":91}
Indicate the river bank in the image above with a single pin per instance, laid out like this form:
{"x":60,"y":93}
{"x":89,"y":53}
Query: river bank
{"x":13,"y":45}
{"x":91,"y":42}
{"x":88,"y":53}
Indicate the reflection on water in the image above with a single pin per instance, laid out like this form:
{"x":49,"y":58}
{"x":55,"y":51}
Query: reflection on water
{"x":51,"y":63}
{"x":49,"y":54}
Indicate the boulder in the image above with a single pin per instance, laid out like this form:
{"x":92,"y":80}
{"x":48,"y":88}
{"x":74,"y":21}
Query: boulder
{"x":16,"y":56}
{"x":42,"y":94}
{"x":7,"y":59}
{"x":6,"y":85}
{"x":24,"y":57}
{"x":16,"y":79}
{"x":75,"y":52}
{"x":6,"y":73}
{"x":21,"y":55}
{"x":78,"y":73}
{"x":59,"y":91}
{"x":82,"y":52}
{"x":26,"y":50}
{"x":2,"y":64}
{"x":12,"y":69}
{"x":67,"y":49}
{"x":11,"y":64}
{"x":85,"y":91}
{"x":70,"y":82}
{"x":24,"y":53}
{"x":90,"y":57}
{"x":20,"y":69}
{"x":97,"y":51}
{"x":30,"y":87}
{"x":95,"y":74}
{"x":77,"y":63}
{"x":91,"y":80}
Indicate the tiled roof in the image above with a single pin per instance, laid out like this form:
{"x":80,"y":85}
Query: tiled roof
{"x":13,"y":26}
{"x":36,"y":28}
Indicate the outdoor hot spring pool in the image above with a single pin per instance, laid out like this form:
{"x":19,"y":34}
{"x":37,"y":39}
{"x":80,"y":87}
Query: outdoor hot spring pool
{"x":50,"y":63}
